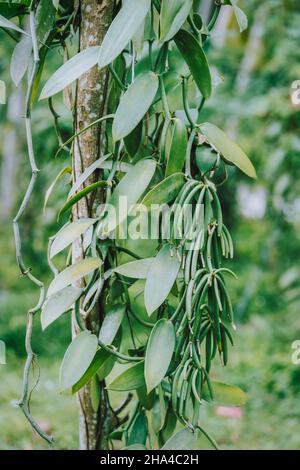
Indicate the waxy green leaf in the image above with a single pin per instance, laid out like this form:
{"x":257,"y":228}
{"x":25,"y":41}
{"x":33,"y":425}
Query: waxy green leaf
{"x":159,"y":353}
{"x":101,"y":365}
{"x":77,"y":359}
{"x":160,"y":278}
{"x":131,"y":379}
{"x":84,"y":192}
{"x":231,"y":152}
{"x":184,"y":439}
{"x":68,"y":234}
{"x":178,"y":144}
{"x":123,"y":28}
{"x":172,"y":16}
{"x":4,"y":23}
{"x":165,"y":191}
{"x":225,"y":395}
{"x":64,"y":171}
{"x":134,"y":104}
{"x":127,"y":193}
{"x":70,"y":71}
{"x":59,"y":303}
{"x":136,"y":269}
{"x":73,"y":273}
{"x":195,"y":58}
{"x":111,"y":324}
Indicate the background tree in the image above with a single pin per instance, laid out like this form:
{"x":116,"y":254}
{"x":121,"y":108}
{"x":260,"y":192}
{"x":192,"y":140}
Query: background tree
{"x":212,"y":117}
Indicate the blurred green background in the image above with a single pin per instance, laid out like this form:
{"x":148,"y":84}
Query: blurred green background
{"x":254,"y":72}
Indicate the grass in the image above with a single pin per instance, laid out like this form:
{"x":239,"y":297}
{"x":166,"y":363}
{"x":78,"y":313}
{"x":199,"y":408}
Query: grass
{"x":260,"y":364}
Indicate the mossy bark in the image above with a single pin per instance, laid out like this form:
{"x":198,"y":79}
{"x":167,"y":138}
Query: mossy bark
{"x":89,"y":104}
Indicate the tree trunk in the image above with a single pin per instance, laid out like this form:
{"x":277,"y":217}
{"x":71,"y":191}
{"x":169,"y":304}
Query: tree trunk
{"x":90,"y":104}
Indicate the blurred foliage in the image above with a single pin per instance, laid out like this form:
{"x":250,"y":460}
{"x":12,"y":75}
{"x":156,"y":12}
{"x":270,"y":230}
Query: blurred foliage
{"x":253,"y":102}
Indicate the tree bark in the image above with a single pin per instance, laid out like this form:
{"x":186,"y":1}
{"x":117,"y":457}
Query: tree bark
{"x":90,"y":104}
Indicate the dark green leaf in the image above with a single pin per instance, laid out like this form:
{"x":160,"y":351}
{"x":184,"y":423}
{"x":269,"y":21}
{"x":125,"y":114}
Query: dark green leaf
{"x":231,"y":152}
{"x":226,"y":395}
{"x":178,"y":145}
{"x":134,"y":104}
{"x":139,"y":430}
{"x":111,"y":324}
{"x":132,"y":186}
{"x":73,"y":273}
{"x":160,"y":278}
{"x":172,"y":16}
{"x":194,"y":56}
{"x":84,"y":192}
{"x":77,"y":359}
{"x":44,"y":19}
{"x":133,"y":140}
{"x":131,"y":379}
{"x":159,"y":353}
{"x":122,"y":30}
{"x":70,"y":71}
{"x":58,"y":304}
{"x":165,"y":191}
{"x":135,"y":269}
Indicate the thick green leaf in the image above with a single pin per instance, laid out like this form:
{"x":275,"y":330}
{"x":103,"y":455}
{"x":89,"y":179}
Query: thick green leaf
{"x":69,"y":234}
{"x":44,"y":20}
{"x":58,"y":304}
{"x":95,"y":392}
{"x":159,"y":353}
{"x":135,"y":269}
{"x":87,"y":173}
{"x":138,"y":430}
{"x":77,"y":359}
{"x":165,"y":191}
{"x":226,"y":395}
{"x":122,"y":30}
{"x":64,"y":171}
{"x":184,"y":439}
{"x":194,"y":56}
{"x":102,"y":365}
{"x":178,"y":145}
{"x":130,"y":189}
{"x":131,"y":379}
{"x":70,"y":71}
{"x":160,"y":278}
{"x":111,"y":324}
{"x":73,"y":273}
{"x":172,"y":16}
{"x":84,"y":192}
{"x":146,"y":400}
{"x":9,"y":10}
{"x":133,"y":140}
{"x":4,"y":23}
{"x":232,"y":153}
{"x":20,"y":59}
{"x":134,"y":104}
{"x":169,"y":426}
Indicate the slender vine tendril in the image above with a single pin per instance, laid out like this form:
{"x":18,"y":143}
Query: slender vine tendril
{"x":26,"y":271}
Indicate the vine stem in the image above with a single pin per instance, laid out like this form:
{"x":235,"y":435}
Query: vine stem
{"x":25,"y":398}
